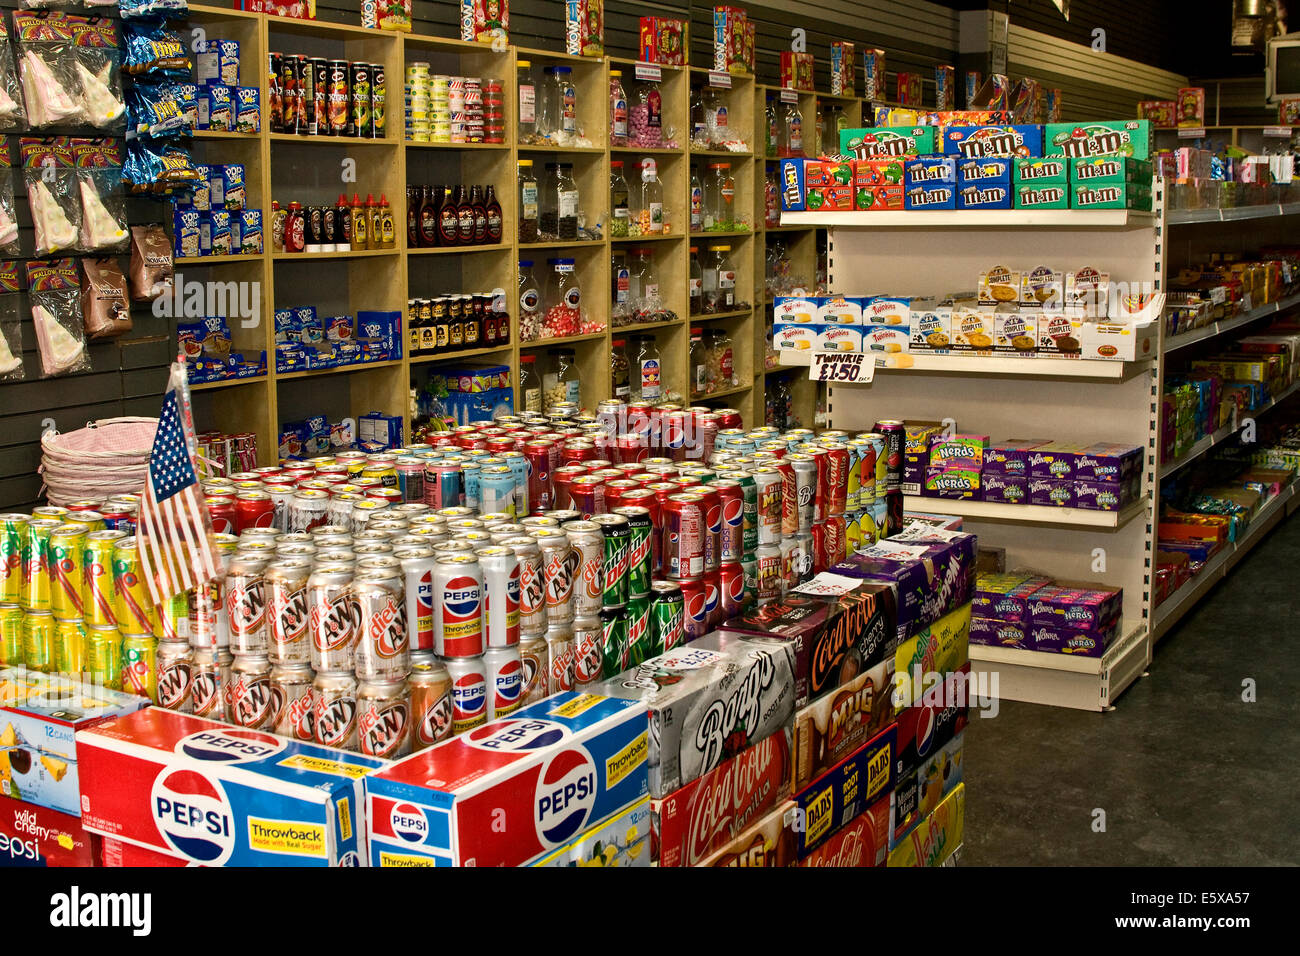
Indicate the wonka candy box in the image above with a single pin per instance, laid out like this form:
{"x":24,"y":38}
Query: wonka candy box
{"x":1052,"y":492}
{"x":40,"y":715}
{"x":1118,"y":138}
{"x":511,"y":790}
{"x":704,"y":816}
{"x":887,"y":141}
{"x":1068,"y":640}
{"x":982,"y":142}
{"x":838,"y":723}
{"x":940,"y":648}
{"x":842,"y":793}
{"x":32,"y":835}
{"x":1107,"y":462}
{"x":621,"y":840}
{"x":1006,"y":596}
{"x":958,"y":451}
{"x":1075,"y":605}
{"x":1004,"y":489}
{"x":769,"y":842}
{"x":935,"y":839}
{"x":873,"y":74}
{"x":209,"y":793}
{"x":864,"y":842}
{"x":1101,"y":496}
{"x":961,"y":483}
{"x":707,"y":701}
{"x":1054,"y":459}
{"x":990,"y":632}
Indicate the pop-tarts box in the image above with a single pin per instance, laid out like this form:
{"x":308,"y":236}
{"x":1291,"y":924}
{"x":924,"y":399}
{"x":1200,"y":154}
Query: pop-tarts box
{"x":40,"y":715}
{"x":982,"y":142}
{"x":514,"y":789}
{"x":218,"y":795}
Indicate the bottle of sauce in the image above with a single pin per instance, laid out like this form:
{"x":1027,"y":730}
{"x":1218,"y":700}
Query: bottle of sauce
{"x":360,"y":225}
{"x":342,"y":225}
{"x":413,"y":200}
{"x":387,"y":228}
{"x":278,"y":217}
{"x":464,"y":217}
{"x":373,"y":235}
{"x":495,"y":226}
{"x":427,"y":229}
{"x":448,"y":218}
{"x":295,"y":229}
{"x":480,"y":215}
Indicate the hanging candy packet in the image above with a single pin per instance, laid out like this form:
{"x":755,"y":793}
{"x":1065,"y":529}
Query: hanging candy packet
{"x":12,"y":114}
{"x":9,"y":244}
{"x":151,"y":264}
{"x":47,"y":68}
{"x":158,"y":108}
{"x":51,"y":192}
{"x":153,"y":50}
{"x":151,"y":9}
{"x":99,"y":187}
{"x":11,"y":333}
{"x":55,"y":297}
{"x":96,"y":63}
{"x":156,"y":170}
{"x":105,"y":312}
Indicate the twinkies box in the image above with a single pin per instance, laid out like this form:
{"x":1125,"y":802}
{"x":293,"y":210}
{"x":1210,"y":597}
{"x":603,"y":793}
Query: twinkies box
{"x":937,"y":837}
{"x":511,"y":790}
{"x":208,"y":793}
{"x":37,"y":836}
{"x":622,"y":840}
{"x":862,"y":843}
{"x":40,"y":715}
{"x":707,"y":701}
{"x":840,"y":795}
{"x":704,"y":816}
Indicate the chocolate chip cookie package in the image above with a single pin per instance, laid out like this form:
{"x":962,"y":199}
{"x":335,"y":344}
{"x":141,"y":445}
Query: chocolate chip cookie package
{"x":707,"y":701}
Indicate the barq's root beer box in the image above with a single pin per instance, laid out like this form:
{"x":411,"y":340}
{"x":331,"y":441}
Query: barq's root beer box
{"x":40,"y":715}
{"x":513,"y":790}
{"x":218,"y":795}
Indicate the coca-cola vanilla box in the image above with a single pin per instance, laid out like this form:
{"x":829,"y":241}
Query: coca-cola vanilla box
{"x":707,"y":701}
{"x":702,"y":817}
{"x":769,"y":841}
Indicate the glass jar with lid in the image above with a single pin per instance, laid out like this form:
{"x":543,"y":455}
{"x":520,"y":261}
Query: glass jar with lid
{"x":561,"y":382}
{"x":698,"y":364}
{"x":618,"y":109}
{"x":528,"y":104}
{"x":650,"y":214}
{"x":559,"y":208}
{"x":719,"y":199}
{"x":620,"y":371}
{"x":619,"y":192}
{"x":722,"y":361}
{"x":530,"y":386}
{"x":530,"y":303}
{"x":697,"y":201}
{"x":548,"y":107}
{"x":647,"y":370}
{"x":529,"y":203}
{"x":699,"y":128}
{"x":646,"y":116}
{"x":771,"y":127}
{"x":719,"y":281}
{"x":792,"y":121}
{"x":622,"y":311}
{"x":566,"y":96}
{"x":695,"y":283}
{"x":716,"y":117}
{"x":563,"y":316}
{"x":644,"y":285}
{"x":829,"y":122}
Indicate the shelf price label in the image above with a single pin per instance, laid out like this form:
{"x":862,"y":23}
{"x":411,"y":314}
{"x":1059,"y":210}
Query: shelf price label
{"x":720,"y":79}
{"x":789,"y":96}
{"x":1192,"y":133}
{"x":842,"y":368}
{"x":1277,"y":131}
{"x":649,"y":71}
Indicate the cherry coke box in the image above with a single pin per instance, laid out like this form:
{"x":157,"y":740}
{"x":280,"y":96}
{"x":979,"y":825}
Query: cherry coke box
{"x":511,"y":790}
{"x":705,"y":815}
{"x":36,"y":836}
{"x":209,"y":793}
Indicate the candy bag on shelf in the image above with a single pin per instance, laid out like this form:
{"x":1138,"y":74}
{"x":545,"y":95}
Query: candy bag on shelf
{"x":11,"y":333}
{"x":157,"y":169}
{"x":151,"y":9}
{"x":55,"y":297}
{"x":95,"y":62}
{"x":153,"y":50}
{"x":105,"y":312}
{"x":47,"y":67}
{"x":99,"y":186}
{"x":160,"y":108}
{"x":151,"y":263}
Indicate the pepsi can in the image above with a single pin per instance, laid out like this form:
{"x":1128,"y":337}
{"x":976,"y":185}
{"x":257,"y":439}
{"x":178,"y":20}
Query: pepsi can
{"x":500,"y":595}
{"x":505,"y":680}
{"x":417,"y":580}
{"x":469,"y":692}
{"x":458,"y":597}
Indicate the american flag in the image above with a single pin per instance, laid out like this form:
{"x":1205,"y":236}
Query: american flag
{"x":174,"y":528}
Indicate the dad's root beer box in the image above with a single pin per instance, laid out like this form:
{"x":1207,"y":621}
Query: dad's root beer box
{"x":842,"y":793}
{"x":704,"y":816}
{"x":513,"y":790}
{"x":707,"y":701}
{"x":209,"y":793}
{"x":862,"y":843}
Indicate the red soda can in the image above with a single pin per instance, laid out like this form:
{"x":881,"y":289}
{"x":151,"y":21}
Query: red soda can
{"x":729,"y":418}
{"x":253,"y":509}
{"x":664,"y":490}
{"x":731,"y":588}
{"x":673,"y":429}
{"x":731,"y":497}
{"x":837,"y":477}
{"x":615,"y":488}
{"x":706,"y":435}
{"x":499,"y":443}
{"x":267,"y":472}
{"x":822,"y":490}
{"x":596,"y":464}
{"x":836,"y":532}
{"x":632,"y":447}
{"x":712,"y":598}
{"x":695,"y":620}
{"x":628,"y":468}
{"x":575,"y":452}
{"x":541,"y":494}
{"x":683,"y":537}
{"x":711,"y":502}
{"x":819,"y":552}
{"x":685,"y":482}
{"x":221,"y":508}
{"x":776,"y":448}
{"x":789,"y":497}
{"x":563,"y":476}
{"x":587,"y":494}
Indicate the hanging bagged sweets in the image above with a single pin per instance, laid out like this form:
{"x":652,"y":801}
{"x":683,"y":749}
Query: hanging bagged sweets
{"x":99,"y":175}
{"x":12,"y":114}
{"x":8,"y":221}
{"x":51,"y":193}
{"x":105,"y":312}
{"x":54,"y":294}
{"x":95,"y":65}
{"x":151,"y":264}
{"x":46,"y":65}
{"x":11,"y":342}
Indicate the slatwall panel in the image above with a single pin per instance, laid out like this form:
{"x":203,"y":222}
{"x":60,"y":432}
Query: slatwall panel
{"x":1151,"y":31}
{"x":127,"y":375}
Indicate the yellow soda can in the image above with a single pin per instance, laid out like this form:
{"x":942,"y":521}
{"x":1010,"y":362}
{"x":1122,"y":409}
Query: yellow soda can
{"x":140,"y":665}
{"x":132,"y":606}
{"x":99,"y":596}
{"x":38,"y":641}
{"x":11,"y":636}
{"x":102,"y":656}
{"x":69,"y":647}
{"x":66,"y":553}
{"x":36,"y":564}
{"x":13,"y":531}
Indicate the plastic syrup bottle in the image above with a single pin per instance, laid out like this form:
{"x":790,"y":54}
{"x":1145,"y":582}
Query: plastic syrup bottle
{"x":360,"y":225}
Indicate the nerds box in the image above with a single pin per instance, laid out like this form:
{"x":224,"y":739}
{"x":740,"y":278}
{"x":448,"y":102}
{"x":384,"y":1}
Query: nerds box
{"x":511,"y":790}
{"x":218,"y":795}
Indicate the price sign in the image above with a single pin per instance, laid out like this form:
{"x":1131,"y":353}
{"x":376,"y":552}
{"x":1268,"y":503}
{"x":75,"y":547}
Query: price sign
{"x":649,"y":71}
{"x":720,"y":79}
{"x":841,"y":368}
{"x":1196,"y":133}
{"x":1277,"y":132}
{"x":789,"y":96}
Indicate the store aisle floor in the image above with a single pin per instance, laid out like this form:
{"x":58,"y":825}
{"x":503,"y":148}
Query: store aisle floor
{"x":1187,"y":773}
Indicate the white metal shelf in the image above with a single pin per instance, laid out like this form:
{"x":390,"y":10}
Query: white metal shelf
{"x":975,"y":219}
{"x":1027,"y":514}
{"x":1223,"y":434}
{"x":998,"y":365}
{"x":1186,"y":217}
{"x":1184,"y":339}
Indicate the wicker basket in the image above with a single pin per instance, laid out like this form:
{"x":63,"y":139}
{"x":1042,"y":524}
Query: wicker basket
{"x":107,"y":457}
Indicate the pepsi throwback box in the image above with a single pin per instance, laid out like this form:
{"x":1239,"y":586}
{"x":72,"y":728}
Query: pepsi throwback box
{"x":862,"y":843}
{"x":704,"y":816}
{"x":512,"y":790}
{"x":708,"y":700}
{"x":841,"y":794}
{"x":937,"y":837}
{"x":217,"y":795}
{"x":37,"y":836}
{"x":622,"y":840}
{"x":40,"y":715}
{"x":834,"y":637}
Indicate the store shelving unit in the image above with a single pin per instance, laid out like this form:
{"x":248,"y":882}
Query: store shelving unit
{"x":1023,"y":398}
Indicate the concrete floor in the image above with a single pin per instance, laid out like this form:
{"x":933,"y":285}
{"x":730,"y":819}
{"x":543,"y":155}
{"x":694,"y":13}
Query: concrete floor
{"x":1187,"y":773}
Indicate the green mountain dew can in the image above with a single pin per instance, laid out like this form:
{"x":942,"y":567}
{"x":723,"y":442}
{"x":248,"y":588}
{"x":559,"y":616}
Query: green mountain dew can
{"x":640,"y":630}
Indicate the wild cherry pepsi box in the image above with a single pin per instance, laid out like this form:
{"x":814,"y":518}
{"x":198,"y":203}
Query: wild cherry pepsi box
{"x":218,"y":795}
{"x":511,"y":790}
{"x":37,"y":836}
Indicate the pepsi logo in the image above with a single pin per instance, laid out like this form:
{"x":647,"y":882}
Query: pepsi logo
{"x":715,"y":518}
{"x":733,"y":513}
{"x":517,"y":735}
{"x":424,"y":592}
{"x":351,"y":858}
{"x":408,"y":822}
{"x":735,"y":587}
{"x":469,"y":695}
{"x":508,"y":683}
{"x":711,"y":597}
{"x":512,"y":589}
{"x":565,"y":797}
{"x":193,"y":816}
{"x":230,"y":746}
{"x":696,"y":609}
{"x":462,"y":598}
{"x":924,"y":731}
